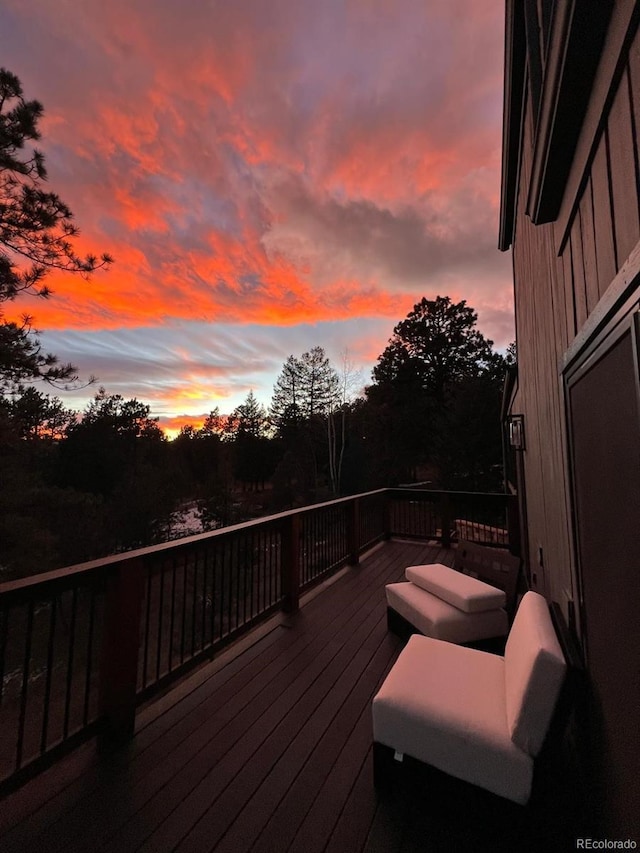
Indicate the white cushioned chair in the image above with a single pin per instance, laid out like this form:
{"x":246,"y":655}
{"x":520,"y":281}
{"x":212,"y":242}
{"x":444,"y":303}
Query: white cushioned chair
{"x":476,"y":716}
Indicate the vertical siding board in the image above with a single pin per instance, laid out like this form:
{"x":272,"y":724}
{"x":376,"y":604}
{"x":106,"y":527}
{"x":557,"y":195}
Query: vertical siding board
{"x":570,"y":308}
{"x":634,"y":93}
{"x":556,"y":524}
{"x":623,"y":173}
{"x":560,"y":306}
{"x":589,"y":248}
{"x":577,"y":259}
{"x":526,"y":299}
{"x":546,"y":324}
{"x":602,"y":218}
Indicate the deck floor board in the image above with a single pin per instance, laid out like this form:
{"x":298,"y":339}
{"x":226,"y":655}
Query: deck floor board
{"x":269,"y":750}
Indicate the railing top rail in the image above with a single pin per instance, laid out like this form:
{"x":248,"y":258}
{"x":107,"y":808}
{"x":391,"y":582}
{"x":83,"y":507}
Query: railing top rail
{"x":67,"y":573}
{"x":408,"y":491}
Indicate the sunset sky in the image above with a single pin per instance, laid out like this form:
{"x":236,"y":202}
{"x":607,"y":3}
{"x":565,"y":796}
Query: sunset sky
{"x":270,"y":175}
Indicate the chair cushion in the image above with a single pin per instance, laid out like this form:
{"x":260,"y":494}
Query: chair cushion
{"x":445,"y":705}
{"x":534,"y":671}
{"x":466,"y":593}
{"x":436,"y":618}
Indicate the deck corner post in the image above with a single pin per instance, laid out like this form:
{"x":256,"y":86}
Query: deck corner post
{"x":121,"y":643}
{"x":353,"y":532}
{"x":445,"y":522}
{"x":513,"y":525}
{"x":387,"y":515}
{"x":290,"y":566}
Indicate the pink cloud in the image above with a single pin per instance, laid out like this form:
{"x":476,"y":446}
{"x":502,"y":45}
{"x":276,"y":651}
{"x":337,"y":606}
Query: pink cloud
{"x":270,"y":163}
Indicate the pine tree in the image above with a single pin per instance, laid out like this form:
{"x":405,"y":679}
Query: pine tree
{"x":437,"y":345}
{"x":248,"y":419}
{"x":319,"y":385}
{"x":307,"y":388}
{"x":285,"y":409}
{"x":36,"y":236}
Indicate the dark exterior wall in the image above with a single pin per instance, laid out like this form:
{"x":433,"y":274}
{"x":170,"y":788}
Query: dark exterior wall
{"x":605,"y":226}
{"x":561,"y":272}
{"x":543,"y":320}
{"x":577,"y":299}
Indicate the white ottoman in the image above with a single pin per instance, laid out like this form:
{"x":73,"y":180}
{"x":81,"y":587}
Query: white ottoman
{"x":448,"y":605}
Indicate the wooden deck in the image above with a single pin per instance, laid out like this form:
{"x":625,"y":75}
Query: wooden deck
{"x":268,"y":748}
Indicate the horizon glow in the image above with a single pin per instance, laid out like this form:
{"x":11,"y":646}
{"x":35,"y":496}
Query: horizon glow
{"x":268,"y":177}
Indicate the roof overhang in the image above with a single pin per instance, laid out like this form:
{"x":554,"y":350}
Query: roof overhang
{"x":577,"y":33}
{"x":578,"y":30}
{"x":514,"y":74}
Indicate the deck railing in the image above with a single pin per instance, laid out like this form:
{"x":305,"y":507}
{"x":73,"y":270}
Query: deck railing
{"x":81,"y":648}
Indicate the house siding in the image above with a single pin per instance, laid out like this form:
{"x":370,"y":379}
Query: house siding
{"x":561,"y":274}
{"x":545,"y":323}
{"x":577,"y":303}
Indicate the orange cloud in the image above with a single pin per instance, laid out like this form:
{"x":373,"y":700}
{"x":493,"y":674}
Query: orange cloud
{"x":268,"y":163}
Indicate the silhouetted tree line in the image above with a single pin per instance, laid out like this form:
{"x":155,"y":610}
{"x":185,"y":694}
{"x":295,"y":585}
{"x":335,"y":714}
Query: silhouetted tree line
{"x":79,"y":486}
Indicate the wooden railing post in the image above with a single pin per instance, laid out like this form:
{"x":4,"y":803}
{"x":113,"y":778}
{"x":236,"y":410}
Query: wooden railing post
{"x":445,"y":519}
{"x":513,"y":525}
{"x":353,"y":532}
{"x":119,"y":672}
{"x":387,"y":514}
{"x":290,"y":566}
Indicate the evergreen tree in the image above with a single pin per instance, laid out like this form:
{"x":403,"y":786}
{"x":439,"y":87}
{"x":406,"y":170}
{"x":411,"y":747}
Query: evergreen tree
{"x":214,"y":424}
{"x":308,"y":387}
{"x":37,"y":235}
{"x":319,"y":384}
{"x":248,"y":426}
{"x":436,"y":345}
{"x":38,"y":416}
{"x":248,"y":419}
{"x":286,"y":409}
{"x":306,"y":391}
{"x":113,"y":440}
{"x":437,"y":398}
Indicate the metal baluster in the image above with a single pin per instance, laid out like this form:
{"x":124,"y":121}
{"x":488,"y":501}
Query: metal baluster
{"x":193,"y":603}
{"x":160,"y":620}
{"x":72,"y":641}
{"x":47,"y":687}
{"x":277,"y":575}
{"x":4,"y":629}
{"x":245,"y":567}
{"x":235,"y":563}
{"x":205,"y":569}
{"x":252,"y":558}
{"x":253,"y":552}
{"x":184,"y":609}
{"x":87,"y":685}
{"x":223,"y":552}
{"x":274,"y":552}
{"x":214,"y":586}
{"x":25,"y":684}
{"x":173,"y":614}
{"x":262,"y":565}
{"x":147,"y":624}
{"x":326,"y":539}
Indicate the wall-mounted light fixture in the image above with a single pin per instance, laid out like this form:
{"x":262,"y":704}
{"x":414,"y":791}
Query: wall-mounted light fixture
{"x":516,"y":432}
